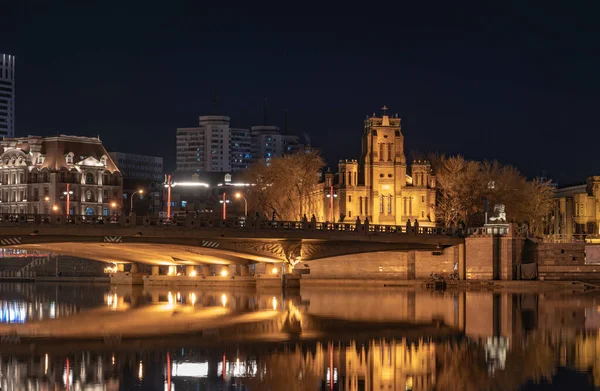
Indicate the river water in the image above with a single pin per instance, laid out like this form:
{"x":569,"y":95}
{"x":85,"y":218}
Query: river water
{"x":97,"y":337}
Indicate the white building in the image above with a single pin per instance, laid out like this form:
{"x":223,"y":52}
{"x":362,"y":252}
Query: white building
{"x":240,"y":149}
{"x":7,"y":95}
{"x":41,"y":175}
{"x":206,"y":147}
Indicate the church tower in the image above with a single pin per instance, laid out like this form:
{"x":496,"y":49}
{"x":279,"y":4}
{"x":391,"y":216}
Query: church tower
{"x":384,"y":167}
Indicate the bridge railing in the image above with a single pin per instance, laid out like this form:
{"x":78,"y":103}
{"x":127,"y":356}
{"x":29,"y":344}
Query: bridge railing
{"x":195,"y":221}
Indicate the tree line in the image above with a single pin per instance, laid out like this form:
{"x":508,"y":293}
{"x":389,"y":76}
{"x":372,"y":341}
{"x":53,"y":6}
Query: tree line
{"x":464,"y":188}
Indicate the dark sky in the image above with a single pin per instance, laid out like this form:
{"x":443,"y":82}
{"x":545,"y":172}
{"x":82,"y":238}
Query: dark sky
{"x":491,"y":80}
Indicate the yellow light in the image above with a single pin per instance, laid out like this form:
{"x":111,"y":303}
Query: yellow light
{"x":224,"y":273}
{"x":193,"y":273}
{"x":274,"y":270}
{"x":237,"y":195}
{"x":55,"y":208}
{"x":141,"y":191}
{"x":141,"y":371}
{"x":113,"y":204}
{"x":170,"y":298}
{"x":274,"y":303}
{"x":178,"y":296}
{"x":172,"y":270}
{"x":46,"y":198}
{"x":113,"y":359}
{"x":193,"y":298}
{"x":224,"y":299}
{"x":46,"y":364}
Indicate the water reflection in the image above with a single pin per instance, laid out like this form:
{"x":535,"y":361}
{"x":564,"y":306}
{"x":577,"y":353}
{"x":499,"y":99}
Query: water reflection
{"x":318,"y":340}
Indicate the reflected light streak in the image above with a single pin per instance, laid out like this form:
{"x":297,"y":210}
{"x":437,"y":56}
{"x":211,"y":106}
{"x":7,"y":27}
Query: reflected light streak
{"x":46,"y":364}
{"x":193,"y":298}
{"x":274,"y":303}
{"x":224,"y":299}
{"x":141,"y":371}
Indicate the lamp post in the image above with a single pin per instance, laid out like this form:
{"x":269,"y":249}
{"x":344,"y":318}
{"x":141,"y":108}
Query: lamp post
{"x":141,"y":191}
{"x":68,"y":194}
{"x":331,"y":196}
{"x":239,"y":195}
{"x":224,"y":201}
{"x":114,"y":207}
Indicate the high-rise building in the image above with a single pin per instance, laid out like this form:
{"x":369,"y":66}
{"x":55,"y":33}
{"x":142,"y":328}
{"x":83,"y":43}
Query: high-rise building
{"x":7,"y":95}
{"x":205,"y":148}
{"x":240,"y":153}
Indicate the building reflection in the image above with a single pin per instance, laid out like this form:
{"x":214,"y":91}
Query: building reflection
{"x":502,"y":341}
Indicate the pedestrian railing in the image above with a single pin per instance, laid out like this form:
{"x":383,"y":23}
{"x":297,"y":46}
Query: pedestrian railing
{"x":194,"y":221}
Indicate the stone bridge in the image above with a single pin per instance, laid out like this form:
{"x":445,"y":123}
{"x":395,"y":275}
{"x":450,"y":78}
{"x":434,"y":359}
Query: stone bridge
{"x":201,"y":242}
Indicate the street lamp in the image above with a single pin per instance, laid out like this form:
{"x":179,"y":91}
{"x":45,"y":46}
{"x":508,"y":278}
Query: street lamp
{"x":114,"y":206}
{"x":55,"y":208}
{"x":224,"y":201}
{"x":239,"y":195}
{"x":141,"y":191}
{"x":68,"y":194}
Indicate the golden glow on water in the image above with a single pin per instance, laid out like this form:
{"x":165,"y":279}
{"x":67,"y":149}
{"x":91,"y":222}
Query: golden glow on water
{"x":192,"y":298}
{"x":141,"y":371}
{"x":274,"y":301}
{"x":46,"y":364}
{"x":224,"y":299}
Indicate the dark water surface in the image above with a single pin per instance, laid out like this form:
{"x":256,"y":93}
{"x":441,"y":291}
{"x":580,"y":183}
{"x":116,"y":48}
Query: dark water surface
{"x":94,"y":337}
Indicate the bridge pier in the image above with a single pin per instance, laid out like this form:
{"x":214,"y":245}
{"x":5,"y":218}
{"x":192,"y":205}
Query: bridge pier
{"x":206,"y":270}
{"x":190,"y":270}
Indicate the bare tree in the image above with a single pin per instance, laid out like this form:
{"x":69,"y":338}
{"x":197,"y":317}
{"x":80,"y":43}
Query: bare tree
{"x":283,"y":185}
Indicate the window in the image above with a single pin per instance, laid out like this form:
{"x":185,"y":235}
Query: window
{"x":89,"y":178}
{"x":21,"y":177}
{"x":380,"y":152}
{"x":183,"y":204}
{"x":105,"y":196}
{"x":360,"y":205}
{"x":422,"y":214}
{"x":105,"y":212}
{"x":70,"y":158}
{"x":422,"y":198}
{"x":381,"y":204}
{"x":349,"y":213}
{"x":390,"y":204}
{"x":349,"y":198}
{"x":389,"y":152}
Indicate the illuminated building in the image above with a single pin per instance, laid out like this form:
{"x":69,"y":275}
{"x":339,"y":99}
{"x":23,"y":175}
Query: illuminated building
{"x":7,"y":95}
{"x":381,"y":186}
{"x":35,"y":173}
{"x":577,"y":209}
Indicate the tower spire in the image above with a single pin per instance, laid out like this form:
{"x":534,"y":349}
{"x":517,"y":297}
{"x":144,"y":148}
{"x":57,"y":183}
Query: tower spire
{"x":384,"y":110}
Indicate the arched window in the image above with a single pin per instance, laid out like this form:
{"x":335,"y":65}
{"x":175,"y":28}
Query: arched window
{"x":69,"y":158}
{"x":390,"y":204}
{"x":89,"y":178}
{"x":381,"y":204}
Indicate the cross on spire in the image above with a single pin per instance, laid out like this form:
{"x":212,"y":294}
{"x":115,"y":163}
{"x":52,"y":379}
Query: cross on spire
{"x":384,"y":109}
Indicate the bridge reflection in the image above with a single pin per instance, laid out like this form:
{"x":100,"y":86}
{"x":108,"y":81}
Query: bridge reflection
{"x":371,"y":340}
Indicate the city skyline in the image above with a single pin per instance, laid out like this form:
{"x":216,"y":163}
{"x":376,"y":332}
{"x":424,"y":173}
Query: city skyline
{"x":485,"y":83}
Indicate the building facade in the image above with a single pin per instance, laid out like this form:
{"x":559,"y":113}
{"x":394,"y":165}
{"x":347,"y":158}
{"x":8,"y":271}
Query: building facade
{"x":7,"y":96}
{"x":141,"y":172}
{"x":205,"y":148}
{"x":381,"y":186}
{"x":576,"y":210}
{"x":241,"y":149}
{"x":37,"y":172}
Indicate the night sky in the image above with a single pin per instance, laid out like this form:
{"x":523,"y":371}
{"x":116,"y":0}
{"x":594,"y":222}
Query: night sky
{"x":506,"y":81}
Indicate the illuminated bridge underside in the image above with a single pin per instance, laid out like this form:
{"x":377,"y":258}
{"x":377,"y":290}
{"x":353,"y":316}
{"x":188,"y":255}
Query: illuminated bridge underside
{"x":197,"y":246}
